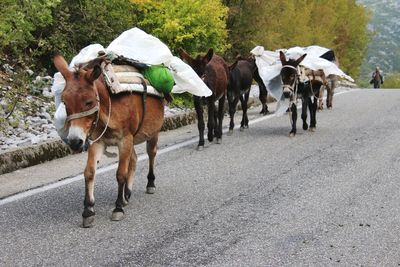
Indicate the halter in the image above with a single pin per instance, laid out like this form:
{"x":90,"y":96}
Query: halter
{"x":292,"y":87}
{"x":85,"y":113}
{"x":90,"y":112}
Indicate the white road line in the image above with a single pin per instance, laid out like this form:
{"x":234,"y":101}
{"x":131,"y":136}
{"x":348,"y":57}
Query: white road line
{"x":38,"y":190}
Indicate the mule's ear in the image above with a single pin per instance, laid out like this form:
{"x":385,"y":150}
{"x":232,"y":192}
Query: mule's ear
{"x":185,"y":56}
{"x":209,"y":54}
{"x":300,"y":59}
{"x":93,"y":74}
{"x":282,"y":57}
{"x":62,"y":66}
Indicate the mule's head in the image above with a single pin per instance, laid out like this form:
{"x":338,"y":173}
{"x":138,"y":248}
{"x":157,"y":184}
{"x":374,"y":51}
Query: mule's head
{"x":80,"y":98}
{"x":199,"y":63}
{"x":289,"y":73}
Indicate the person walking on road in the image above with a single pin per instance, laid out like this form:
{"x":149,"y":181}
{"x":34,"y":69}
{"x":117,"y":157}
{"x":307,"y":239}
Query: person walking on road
{"x":377,"y":78}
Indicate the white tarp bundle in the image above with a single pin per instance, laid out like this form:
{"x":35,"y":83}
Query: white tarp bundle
{"x":269,"y":67}
{"x":145,"y":48}
{"x":137,"y":45}
{"x":314,"y":61}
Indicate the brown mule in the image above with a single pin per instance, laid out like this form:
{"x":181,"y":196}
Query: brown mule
{"x":215,"y":73}
{"x":108,"y":120}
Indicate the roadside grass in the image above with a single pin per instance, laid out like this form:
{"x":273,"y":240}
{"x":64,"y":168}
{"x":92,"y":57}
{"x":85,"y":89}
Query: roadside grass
{"x":392,"y":81}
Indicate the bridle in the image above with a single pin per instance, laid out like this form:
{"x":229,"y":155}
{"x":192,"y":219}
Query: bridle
{"x":294,"y":86}
{"x":89,"y":112}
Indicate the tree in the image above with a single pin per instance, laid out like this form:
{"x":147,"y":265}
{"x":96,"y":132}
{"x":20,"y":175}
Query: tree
{"x":190,"y":24}
{"x":20,"y":26}
{"x":336,"y":24}
{"x":351,"y":35}
{"x":83,"y":22}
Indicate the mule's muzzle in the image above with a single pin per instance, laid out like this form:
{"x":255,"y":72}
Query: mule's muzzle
{"x":287,"y":93}
{"x":76,"y":144}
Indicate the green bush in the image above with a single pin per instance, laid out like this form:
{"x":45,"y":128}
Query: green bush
{"x":21,"y":27}
{"x":83,"y":22}
{"x":182,"y":101}
{"x":30,"y":31}
{"x":190,"y":24}
{"x":392,"y":81}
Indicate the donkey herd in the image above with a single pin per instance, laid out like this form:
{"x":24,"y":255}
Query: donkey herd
{"x":97,"y":118}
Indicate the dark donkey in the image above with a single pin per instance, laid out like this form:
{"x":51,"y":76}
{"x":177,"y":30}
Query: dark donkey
{"x":293,"y":88}
{"x":214,"y":72}
{"x":124,"y":120}
{"x":240,"y":79}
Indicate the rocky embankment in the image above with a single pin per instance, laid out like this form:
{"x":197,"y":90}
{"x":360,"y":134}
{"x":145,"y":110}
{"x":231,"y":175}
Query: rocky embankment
{"x":30,"y":121}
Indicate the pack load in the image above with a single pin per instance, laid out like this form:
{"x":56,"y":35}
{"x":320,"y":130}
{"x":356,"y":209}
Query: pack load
{"x":160,"y":78}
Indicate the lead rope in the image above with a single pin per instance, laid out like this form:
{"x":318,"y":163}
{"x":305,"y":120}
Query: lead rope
{"x":108,"y":121}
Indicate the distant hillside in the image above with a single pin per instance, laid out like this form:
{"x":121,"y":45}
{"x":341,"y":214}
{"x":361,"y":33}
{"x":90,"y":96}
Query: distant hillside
{"x":383,"y":50}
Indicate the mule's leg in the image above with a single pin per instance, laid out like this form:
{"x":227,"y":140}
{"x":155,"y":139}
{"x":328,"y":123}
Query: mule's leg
{"x":200,"y":120}
{"x":151,"y":147}
{"x":211,"y":118}
{"x":130,"y":177}
{"x":215,"y":122}
{"x":244,"y":124}
{"x":305,"y":103}
{"x":263,"y":96}
{"x":125,"y":147}
{"x":313,"y":113}
{"x":94,"y":155}
{"x":232,"y":110}
{"x":221,"y":103}
{"x":293,"y":109}
{"x":321,"y":96}
{"x":329,"y":98}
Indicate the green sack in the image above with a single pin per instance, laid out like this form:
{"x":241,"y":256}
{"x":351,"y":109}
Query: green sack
{"x":160,"y":78}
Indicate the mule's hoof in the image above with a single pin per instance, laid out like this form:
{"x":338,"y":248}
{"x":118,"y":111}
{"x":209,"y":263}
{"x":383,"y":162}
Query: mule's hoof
{"x":230,"y":132}
{"x":150,"y":190}
{"x":117,"y":215}
{"x":200,"y":148}
{"x":305,"y":126}
{"x":330,"y":108}
{"x":88,"y":222}
{"x":241,"y":128}
{"x":312,"y":129}
{"x":219,"y":140}
{"x":292,"y":134}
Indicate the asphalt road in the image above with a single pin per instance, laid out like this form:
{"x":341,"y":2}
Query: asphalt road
{"x":328,"y":198}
